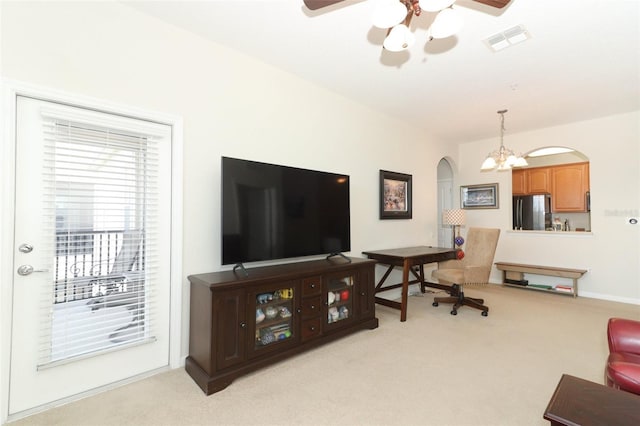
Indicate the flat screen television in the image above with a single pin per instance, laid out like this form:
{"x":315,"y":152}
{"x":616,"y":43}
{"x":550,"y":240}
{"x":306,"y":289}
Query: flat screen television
{"x":272,"y":212}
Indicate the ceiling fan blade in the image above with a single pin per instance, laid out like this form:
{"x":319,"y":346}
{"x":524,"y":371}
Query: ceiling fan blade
{"x":494,"y":3}
{"x":317,"y":4}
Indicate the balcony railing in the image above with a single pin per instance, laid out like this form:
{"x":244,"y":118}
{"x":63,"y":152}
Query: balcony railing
{"x":85,"y":261}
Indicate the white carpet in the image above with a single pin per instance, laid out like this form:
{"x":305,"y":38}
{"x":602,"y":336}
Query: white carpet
{"x":433,"y":369}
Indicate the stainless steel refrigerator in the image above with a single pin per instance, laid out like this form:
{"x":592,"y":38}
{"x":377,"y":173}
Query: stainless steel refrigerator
{"x":532,"y":212}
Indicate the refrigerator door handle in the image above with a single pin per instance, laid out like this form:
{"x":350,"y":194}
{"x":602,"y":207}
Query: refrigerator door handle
{"x":520,"y":210}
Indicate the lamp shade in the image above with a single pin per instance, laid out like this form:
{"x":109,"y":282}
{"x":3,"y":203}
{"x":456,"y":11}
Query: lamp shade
{"x":399,"y":39}
{"x":435,"y":5}
{"x":453,"y":217}
{"x":447,"y":23}
{"x":388,"y":13}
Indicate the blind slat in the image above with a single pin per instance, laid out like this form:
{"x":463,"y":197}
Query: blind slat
{"x":100,"y":198}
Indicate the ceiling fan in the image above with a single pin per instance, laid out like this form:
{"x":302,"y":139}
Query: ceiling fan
{"x":318,"y":4}
{"x":396,"y":17}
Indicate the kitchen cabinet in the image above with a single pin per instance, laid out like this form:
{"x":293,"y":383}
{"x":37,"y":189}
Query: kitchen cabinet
{"x":518,"y":182}
{"x":569,"y":187}
{"x":538,"y":180}
{"x":239,"y":323}
{"x":535,"y":180}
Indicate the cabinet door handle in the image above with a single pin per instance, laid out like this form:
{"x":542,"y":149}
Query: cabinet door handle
{"x":363,"y":294}
{"x":299,"y":310}
{"x":313,"y":286}
{"x":313,"y":307}
{"x":243,"y":325}
{"x":312,"y":328}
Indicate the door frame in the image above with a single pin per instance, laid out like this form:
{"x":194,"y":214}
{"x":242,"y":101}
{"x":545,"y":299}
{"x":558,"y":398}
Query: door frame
{"x":9,"y":91}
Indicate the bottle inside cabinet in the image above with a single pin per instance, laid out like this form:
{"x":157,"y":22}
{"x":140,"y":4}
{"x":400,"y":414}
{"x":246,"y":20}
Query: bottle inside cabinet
{"x":273,"y":316}
{"x":339,"y":299}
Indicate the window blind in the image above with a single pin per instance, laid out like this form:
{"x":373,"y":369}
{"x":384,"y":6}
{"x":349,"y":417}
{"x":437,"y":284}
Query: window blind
{"x":100,"y":184}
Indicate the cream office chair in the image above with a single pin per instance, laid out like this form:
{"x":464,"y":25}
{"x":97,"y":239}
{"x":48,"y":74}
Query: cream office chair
{"x":474,"y":268}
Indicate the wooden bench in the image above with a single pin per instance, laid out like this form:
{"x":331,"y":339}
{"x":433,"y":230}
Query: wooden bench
{"x":516,"y":271}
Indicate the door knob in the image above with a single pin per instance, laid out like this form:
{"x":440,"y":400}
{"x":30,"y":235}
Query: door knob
{"x":25,"y":248}
{"x":27,"y":269}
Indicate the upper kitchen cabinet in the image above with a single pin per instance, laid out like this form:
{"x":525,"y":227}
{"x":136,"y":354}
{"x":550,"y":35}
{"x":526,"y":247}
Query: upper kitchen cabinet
{"x":538,"y":181}
{"x":561,"y":172}
{"x":518,"y":182}
{"x":530,"y":181}
{"x":569,"y":187}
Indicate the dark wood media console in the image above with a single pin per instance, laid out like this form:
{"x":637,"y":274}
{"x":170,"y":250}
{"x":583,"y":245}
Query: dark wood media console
{"x":239,"y":322}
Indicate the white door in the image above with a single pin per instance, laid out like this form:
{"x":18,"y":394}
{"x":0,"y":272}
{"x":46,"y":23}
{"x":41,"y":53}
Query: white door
{"x":445,"y":201}
{"x":91,"y":251}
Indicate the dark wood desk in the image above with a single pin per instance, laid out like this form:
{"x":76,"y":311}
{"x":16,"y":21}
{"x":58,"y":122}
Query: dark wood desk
{"x":581,"y":402}
{"x":407,"y":258}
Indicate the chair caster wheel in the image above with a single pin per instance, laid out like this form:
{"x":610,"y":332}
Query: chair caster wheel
{"x":485,"y":313}
{"x":454,"y":312}
{"x":434,"y":304}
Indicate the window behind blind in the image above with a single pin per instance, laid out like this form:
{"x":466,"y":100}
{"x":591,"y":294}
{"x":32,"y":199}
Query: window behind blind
{"x":100,"y":179}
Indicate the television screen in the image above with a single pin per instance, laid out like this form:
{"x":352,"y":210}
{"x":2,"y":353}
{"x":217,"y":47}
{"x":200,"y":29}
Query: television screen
{"x":275,"y":212}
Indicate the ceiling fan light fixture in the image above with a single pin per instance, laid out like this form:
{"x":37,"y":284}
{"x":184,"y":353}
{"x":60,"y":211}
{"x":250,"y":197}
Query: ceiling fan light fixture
{"x":435,"y":5}
{"x":388,"y":13}
{"x":400,"y":38}
{"x":447,"y":23}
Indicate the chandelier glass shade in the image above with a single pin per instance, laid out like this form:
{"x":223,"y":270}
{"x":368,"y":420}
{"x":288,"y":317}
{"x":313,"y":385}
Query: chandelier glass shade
{"x":396,"y":15}
{"x":502,"y":158}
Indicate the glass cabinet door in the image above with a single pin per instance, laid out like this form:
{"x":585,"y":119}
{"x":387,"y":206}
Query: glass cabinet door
{"x":274,"y":321}
{"x":340,"y":294}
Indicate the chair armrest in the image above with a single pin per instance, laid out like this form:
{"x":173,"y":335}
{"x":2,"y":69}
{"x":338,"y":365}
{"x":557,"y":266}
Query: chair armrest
{"x":623,"y":375}
{"x":623,"y":335}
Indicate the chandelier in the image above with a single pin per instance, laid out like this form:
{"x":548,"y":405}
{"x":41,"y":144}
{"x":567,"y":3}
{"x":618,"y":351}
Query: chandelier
{"x":502,"y":158}
{"x":396,"y":16}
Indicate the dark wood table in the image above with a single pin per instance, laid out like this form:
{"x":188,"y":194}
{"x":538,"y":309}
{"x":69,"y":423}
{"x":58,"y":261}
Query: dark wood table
{"x":408,"y":258}
{"x":581,"y":402}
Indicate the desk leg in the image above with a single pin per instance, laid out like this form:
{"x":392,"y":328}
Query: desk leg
{"x":405,"y":289}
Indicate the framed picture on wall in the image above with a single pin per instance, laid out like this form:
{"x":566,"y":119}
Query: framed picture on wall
{"x":395,"y":195}
{"x":479,"y":196}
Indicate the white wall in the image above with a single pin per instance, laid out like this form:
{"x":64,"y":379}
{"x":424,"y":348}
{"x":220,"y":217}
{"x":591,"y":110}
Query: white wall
{"x":611,"y":252}
{"x":231,"y":106}
{"x":235,"y":106}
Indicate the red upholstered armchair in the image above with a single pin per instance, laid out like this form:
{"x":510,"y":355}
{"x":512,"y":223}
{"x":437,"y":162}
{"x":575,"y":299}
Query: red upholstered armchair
{"x":623,"y":365}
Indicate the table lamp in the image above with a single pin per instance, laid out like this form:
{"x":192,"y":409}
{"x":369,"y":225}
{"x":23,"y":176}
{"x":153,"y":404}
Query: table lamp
{"x":454,"y":218}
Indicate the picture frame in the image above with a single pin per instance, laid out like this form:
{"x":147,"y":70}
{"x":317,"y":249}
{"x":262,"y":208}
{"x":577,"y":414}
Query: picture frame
{"x":395,"y":195}
{"x":483,"y":196}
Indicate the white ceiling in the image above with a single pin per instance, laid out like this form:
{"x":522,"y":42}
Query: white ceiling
{"x":582,"y":61}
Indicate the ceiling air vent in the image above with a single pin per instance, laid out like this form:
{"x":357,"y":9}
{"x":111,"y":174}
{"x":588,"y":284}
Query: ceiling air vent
{"x":506,"y":38}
